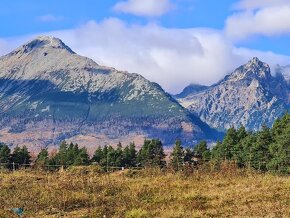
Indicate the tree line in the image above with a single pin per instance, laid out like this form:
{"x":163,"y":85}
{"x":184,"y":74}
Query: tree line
{"x":151,"y":154}
{"x":265,"y":150}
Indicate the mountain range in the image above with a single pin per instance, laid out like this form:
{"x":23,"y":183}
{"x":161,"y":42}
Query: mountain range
{"x":48,"y":93}
{"x":250,"y":96}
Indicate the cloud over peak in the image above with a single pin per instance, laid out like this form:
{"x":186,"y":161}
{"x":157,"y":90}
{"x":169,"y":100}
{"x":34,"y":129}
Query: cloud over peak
{"x":145,"y":8}
{"x":259,"y":17}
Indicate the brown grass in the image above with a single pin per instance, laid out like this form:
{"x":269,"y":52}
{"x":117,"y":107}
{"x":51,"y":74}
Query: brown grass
{"x":146,"y":193}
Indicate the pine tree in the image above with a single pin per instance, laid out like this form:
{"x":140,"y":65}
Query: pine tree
{"x":111,"y":157}
{"x":21,"y":156}
{"x":42,"y":158}
{"x":104,"y":161}
{"x":61,"y":157}
{"x":129,"y":155}
{"x":280,"y":148}
{"x":177,"y":156}
{"x":72,"y":153}
{"x":247,"y":155}
{"x":238,"y":149}
{"x":217,"y":152}
{"x":201,"y":151}
{"x":152,"y":153}
{"x":119,"y":155}
{"x":4,"y":154}
{"x":82,"y":158}
{"x":228,"y":144}
{"x":98,"y":156}
{"x":261,"y":149}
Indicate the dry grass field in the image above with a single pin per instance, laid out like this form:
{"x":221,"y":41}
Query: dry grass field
{"x":87,"y":192}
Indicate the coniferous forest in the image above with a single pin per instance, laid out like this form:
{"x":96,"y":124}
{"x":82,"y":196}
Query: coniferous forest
{"x":265,"y":150}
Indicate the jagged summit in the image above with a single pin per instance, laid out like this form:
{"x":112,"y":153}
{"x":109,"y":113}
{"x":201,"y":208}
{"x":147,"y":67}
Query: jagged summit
{"x":250,"y":96}
{"x":255,"y":61}
{"x":254,"y":69}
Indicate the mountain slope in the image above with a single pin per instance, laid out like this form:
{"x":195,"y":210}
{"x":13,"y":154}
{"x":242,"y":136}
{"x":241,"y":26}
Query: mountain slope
{"x":49,"y":93}
{"x":250,"y":96}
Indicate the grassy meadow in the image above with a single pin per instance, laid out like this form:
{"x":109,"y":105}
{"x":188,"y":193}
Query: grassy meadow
{"x":88,"y":192}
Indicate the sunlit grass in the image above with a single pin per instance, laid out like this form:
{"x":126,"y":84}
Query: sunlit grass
{"x":146,"y":193}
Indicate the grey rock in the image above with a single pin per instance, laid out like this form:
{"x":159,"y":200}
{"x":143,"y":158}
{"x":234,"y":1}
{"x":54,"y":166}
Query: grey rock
{"x":249,"y":96}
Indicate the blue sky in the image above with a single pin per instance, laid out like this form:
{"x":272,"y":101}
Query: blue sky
{"x":24,"y":18}
{"x":158,"y":31}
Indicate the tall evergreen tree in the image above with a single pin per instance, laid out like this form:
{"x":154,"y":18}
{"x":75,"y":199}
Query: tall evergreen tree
{"x":119,"y":155}
{"x":177,"y":156}
{"x":280,"y":148}
{"x":129,"y":155}
{"x":261,"y":155}
{"x":82,"y":158}
{"x":42,"y":157}
{"x":21,"y":156}
{"x":152,"y":153}
{"x":98,"y":156}
{"x":4,"y":154}
{"x":228,"y":144}
{"x":201,"y":151}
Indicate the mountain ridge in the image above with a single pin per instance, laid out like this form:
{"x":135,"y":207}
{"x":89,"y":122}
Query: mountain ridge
{"x":49,"y":89}
{"x":249,"y":96}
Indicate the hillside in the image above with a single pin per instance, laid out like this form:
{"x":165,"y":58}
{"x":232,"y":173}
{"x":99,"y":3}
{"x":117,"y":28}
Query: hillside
{"x":49,"y":93}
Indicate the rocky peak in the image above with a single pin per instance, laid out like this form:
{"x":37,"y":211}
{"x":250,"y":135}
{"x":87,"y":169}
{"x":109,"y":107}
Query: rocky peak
{"x":250,"y":96}
{"x":44,"y":43}
{"x":254,"y":69}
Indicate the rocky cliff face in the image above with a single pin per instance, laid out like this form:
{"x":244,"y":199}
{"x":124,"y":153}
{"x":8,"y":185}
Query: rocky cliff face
{"x":48,"y":94}
{"x":250,"y":96}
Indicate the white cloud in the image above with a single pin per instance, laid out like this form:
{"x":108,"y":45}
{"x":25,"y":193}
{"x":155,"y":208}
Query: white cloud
{"x":262,"y":17}
{"x":147,"y":8}
{"x":171,"y":57}
{"x":269,"y":57}
{"x":49,"y":18}
{"x":256,"y":4}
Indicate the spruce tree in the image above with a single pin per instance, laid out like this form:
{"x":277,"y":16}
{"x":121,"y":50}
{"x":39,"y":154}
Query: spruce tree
{"x":261,"y":149}
{"x":228,"y":144}
{"x":119,"y":155}
{"x":82,"y":158}
{"x":238,"y":149}
{"x":177,"y":156}
{"x":62,"y":157}
{"x":201,"y":151}
{"x":42,"y":158}
{"x":280,"y":148}
{"x":152,"y":153}
{"x":4,"y":154}
{"x":21,"y":155}
{"x":98,"y":156}
{"x":129,"y":155}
